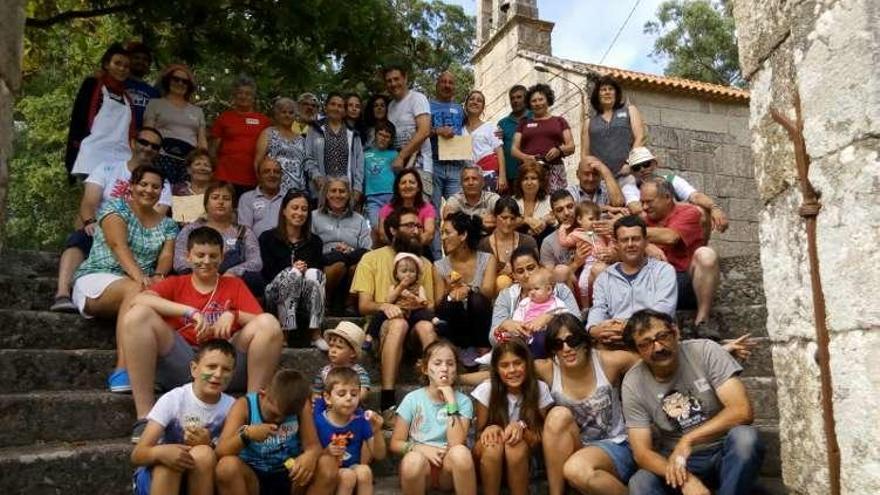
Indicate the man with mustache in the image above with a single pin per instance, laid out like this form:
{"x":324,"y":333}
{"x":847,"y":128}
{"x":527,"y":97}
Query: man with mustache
{"x":372,"y":281}
{"x":690,"y":392}
{"x":634,"y":283}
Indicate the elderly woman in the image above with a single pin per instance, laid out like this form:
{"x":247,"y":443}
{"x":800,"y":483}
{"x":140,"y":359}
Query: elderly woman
{"x":408,"y":194}
{"x":181,"y":123}
{"x":101,"y":122}
{"x":234,"y":137}
{"x":487,"y":147}
{"x":544,"y":139}
{"x":615,"y":129}
{"x":292,"y":263}
{"x":464,"y":285}
{"x":200,"y":170}
{"x":133,"y":247}
{"x":346,"y":237}
{"x":241,"y":252}
{"x":334,"y":150}
{"x":285,"y":146}
{"x":376,"y":112}
{"x":530,"y":192}
{"x":505,"y":239}
{"x":524,"y":261}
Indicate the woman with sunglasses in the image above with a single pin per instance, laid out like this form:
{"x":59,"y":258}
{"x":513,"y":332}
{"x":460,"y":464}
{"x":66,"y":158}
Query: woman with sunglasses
{"x":181,"y":123}
{"x":585,"y":442}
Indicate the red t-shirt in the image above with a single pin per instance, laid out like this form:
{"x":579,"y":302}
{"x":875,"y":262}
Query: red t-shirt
{"x":684,"y":219}
{"x":231,"y":294}
{"x":540,"y":136}
{"x":239,"y":133}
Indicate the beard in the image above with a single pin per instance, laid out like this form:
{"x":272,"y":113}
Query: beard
{"x":404,"y":244}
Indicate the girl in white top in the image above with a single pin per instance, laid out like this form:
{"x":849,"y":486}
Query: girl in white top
{"x":487,"y":147}
{"x":511,"y":407}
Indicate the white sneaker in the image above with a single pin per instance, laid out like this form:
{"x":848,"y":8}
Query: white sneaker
{"x":320,"y":344}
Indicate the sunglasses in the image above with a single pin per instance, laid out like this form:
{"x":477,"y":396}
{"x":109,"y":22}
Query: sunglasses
{"x":664,"y":337}
{"x":572,"y":341}
{"x":639,"y":166}
{"x":148,"y":144}
{"x":181,"y":80}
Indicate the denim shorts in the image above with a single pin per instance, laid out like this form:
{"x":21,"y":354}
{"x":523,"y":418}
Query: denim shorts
{"x":621,"y":455}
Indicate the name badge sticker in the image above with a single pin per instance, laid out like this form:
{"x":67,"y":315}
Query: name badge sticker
{"x":251,"y":121}
{"x":702,"y":385}
{"x":532,"y":125}
{"x":621,"y":114}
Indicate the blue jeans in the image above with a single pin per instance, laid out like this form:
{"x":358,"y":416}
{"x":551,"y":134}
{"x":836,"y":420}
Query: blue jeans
{"x":447,"y":181}
{"x":373,"y":204}
{"x":731,"y":468}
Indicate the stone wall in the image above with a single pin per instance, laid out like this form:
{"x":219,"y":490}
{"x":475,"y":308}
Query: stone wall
{"x":706,"y":141}
{"x":828,"y":52}
{"x":11,"y":37}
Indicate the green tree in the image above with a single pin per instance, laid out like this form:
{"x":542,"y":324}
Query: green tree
{"x":697,"y":38}
{"x":287,"y":46}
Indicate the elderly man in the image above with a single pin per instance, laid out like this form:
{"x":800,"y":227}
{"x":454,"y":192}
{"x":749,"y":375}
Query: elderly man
{"x":677,"y":229}
{"x":473,"y":200}
{"x":447,"y":121}
{"x":372,"y":280}
{"x":306,"y":113}
{"x":636,"y":282}
{"x":596,"y":183}
{"x":107,"y":181}
{"x":258,"y":209}
{"x":644,"y":166}
{"x":691,"y":395}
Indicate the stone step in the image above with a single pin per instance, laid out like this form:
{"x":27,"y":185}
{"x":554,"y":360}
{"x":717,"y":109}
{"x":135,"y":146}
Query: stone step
{"x":28,"y":329}
{"x":87,"y":369}
{"x":25,"y":292}
{"x":104,"y":467}
{"x":64,"y":416}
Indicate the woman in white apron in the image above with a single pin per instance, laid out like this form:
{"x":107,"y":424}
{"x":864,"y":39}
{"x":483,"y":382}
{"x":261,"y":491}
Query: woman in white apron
{"x":100,"y":123}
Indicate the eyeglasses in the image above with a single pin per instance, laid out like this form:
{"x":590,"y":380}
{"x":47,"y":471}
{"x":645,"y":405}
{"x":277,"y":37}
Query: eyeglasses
{"x":148,"y":144}
{"x":179,"y":80}
{"x":664,"y":337}
{"x":572,"y":341}
{"x":639,"y":166}
{"x":412,"y":225}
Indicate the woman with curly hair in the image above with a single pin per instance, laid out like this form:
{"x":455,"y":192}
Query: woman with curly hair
{"x":544,"y":139}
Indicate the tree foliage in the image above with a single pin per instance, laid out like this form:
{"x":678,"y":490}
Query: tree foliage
{"x":287,"y":46}
{"x":697,"y":38}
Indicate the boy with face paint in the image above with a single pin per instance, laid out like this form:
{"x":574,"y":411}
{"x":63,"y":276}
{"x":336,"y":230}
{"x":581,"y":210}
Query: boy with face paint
{"x":177,"y":445}
{"x":167,"y":321}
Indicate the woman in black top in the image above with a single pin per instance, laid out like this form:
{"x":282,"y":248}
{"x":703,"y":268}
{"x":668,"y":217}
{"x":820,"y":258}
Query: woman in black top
{"x":292,"y":262}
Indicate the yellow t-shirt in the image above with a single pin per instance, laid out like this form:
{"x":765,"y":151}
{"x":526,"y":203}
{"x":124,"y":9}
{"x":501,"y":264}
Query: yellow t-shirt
{"x":299,"y":128}
{"x":375,"y":275}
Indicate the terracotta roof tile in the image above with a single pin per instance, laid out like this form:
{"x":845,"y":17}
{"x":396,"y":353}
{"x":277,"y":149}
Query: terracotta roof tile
{"x":653,"y":80}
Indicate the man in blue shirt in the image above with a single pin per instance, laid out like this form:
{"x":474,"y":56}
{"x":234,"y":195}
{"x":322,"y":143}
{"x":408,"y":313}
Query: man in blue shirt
{"x":518,"y":111}
{"x":447,"y":120}
{"x":139,"y":91}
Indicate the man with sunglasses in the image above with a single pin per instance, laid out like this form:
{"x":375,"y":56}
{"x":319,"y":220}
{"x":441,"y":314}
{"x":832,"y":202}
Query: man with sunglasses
{"x":634,"y":283}
{"x":644,"y":165}
{"x":689,"y":392}
{"x":107,"y":181}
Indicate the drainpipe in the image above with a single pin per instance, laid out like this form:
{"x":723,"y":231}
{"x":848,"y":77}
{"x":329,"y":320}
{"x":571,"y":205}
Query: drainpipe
{"x":809,"y":209}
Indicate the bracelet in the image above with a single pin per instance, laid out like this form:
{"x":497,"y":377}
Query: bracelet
{"x":189,"y":313}
{"x":452,"y":409}
{"x":89,"y":221}
{"x":408,"y":446}
{"x":242,"y":434}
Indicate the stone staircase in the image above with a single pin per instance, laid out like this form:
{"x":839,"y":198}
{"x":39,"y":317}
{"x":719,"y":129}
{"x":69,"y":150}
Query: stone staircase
{"x":62,"y":432}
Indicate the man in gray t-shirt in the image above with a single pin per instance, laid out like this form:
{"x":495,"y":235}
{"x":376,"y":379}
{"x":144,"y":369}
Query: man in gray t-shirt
{"x":691,"y":394}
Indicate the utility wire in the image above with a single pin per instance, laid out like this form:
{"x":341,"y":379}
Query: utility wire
{"x":631,"y":11}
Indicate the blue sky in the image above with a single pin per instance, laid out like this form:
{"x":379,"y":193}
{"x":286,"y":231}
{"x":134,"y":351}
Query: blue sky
{"x":585,"y":28}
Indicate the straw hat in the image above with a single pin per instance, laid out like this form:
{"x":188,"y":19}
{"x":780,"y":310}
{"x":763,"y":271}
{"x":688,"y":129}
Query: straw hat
{"x":350,"y":333}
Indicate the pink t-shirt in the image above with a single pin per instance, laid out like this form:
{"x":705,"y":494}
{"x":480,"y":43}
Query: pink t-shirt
{"x":426,"y":212}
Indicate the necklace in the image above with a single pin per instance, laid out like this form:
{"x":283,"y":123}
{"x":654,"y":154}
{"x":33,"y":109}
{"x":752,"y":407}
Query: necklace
{"x":503,"y":253}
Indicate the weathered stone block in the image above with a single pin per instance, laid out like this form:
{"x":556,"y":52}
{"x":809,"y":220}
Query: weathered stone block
{"x":848,"y":233}
{"x":804,"y":461}
{"x":11,"y":42}
{"x":838,"y":74}
{"x":761,"y":26}
{"x":692,"y":120}
{"x":743,"y":209}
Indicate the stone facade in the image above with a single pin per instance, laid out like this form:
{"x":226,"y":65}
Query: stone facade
{"x":702,"y":138}
{"x":11,"y":38}
{"x":826,"y":51}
